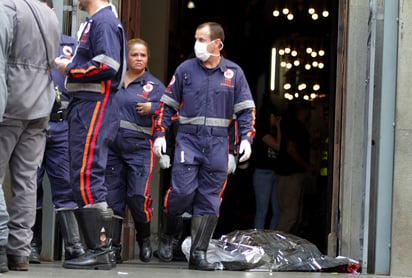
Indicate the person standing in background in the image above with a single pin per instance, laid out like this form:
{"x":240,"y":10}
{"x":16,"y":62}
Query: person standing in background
{"x":206,"y":91}
{"x":93,"y":76}
{"x":6,"y":39}
{"x":22,"y":133}
{"x":56,"y":165}
{"x":131,"y":161}
{"x":266,"y":150}
{"x":294,"y":163}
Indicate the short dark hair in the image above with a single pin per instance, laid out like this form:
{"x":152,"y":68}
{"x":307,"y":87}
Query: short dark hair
{"x":49,"y":3}
{"x":216,"y":30}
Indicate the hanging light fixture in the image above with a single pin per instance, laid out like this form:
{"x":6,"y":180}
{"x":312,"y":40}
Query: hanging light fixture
{"x":191,"y":5}
{"x":287,"y":86}
{"x":325,"y":12}
{"x":311,"y":10}
{"x":276,"y":11}
{"x":287,"y":50}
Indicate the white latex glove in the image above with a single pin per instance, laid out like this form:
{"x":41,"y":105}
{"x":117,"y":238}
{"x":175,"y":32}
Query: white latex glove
{"x":164,"y":161}
{"x":159,"y":146}
{"x":231,"y":164}
{"x":244,"y":150}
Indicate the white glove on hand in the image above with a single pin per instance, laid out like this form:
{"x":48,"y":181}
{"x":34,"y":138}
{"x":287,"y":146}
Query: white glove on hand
{"x":164,"y":161}
{"x":159,"y":146}
{"x":244,"y":150}
{"x":231,"y":164}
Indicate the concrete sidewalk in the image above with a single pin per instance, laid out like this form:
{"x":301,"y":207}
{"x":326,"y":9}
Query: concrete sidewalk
{"x":156,"y":269}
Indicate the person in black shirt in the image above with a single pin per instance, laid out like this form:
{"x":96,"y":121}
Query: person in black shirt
{"x":266,"y":147}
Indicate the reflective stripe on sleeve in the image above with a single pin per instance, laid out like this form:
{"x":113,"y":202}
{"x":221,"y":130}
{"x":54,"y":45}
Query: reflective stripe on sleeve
{"x":244,"y":105}
{"x":108,"y":61}
{"x":170,"y":102}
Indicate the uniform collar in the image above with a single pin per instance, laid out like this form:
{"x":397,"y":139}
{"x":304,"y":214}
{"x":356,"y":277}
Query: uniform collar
{"x":142,"y":80}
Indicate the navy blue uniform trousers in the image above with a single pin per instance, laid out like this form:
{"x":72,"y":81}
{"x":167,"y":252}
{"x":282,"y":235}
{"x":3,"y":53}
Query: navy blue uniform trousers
{"x":199,"y":172}
{"x":93,"y":125}
{"x":56,"y":164}
{"x":128,"y":175}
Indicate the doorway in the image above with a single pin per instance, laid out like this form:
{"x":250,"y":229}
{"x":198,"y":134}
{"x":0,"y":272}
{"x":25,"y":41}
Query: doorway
{"x":258,"y":32}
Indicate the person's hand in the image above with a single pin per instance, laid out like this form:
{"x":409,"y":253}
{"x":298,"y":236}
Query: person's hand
{"x":61,"y":64}
{"x":143,"y":108}
{"x":159,"y":146}
{"x":231,"y":164}
{"x":244,"y":150}
{"x":278,"y":119}
{"x":164,"y":162}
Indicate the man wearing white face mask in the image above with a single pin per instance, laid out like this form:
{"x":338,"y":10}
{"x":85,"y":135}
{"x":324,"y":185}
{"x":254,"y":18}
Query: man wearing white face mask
{"x":207,"y":92}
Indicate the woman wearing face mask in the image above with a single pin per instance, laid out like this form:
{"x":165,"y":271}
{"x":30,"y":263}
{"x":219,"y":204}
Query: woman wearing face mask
{"x":206,"y":92}
{"x":130,"y":160}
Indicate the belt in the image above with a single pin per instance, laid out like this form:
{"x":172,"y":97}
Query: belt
{"x":57,"y":116}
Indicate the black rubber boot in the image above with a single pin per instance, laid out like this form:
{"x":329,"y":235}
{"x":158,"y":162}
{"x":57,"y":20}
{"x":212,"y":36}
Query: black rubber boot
{"x":116,"y":241}
{"x":35,"y":244}
{"x":96,"y":226}
{"x":3,"y":260}
{"x":183,"y":225}
{"x":165,"y":249}
{"x":202,"y":231}
{"x":69,"y":228}
{"x":143,"y":239}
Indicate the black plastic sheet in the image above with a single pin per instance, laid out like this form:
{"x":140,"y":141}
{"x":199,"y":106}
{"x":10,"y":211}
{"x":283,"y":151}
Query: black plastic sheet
{"x":269,"y":250}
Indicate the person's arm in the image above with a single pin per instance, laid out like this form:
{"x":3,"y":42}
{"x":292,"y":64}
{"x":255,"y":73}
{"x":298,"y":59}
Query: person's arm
{"x":106,"y":60}
{"x":6,"y":39}
{"x":244,"y":108}
{"x":233,"y":137}
{"x":150,"y":107}
{"x":270,"y":140}
{"x":168,"y":107}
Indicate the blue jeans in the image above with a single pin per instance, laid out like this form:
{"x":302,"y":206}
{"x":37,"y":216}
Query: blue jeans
{"x":4,"y":220}
{"x":265,"y":185}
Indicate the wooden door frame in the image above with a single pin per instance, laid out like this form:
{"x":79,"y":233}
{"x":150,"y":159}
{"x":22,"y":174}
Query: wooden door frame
{"x":339,"y":123}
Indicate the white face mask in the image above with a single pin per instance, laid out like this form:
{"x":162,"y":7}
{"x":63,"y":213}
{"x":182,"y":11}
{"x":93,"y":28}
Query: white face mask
{"x":201,"y":51}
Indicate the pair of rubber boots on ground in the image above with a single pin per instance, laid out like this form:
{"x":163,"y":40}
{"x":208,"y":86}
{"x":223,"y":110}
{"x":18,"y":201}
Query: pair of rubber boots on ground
{"x":101,"y":231}
{"x":202,"y":228}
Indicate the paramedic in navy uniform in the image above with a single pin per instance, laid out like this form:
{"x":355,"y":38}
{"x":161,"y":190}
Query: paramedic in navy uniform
{"x":130,"y":162}
{"x":93,"y":76}
{"x":206,"y":92}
